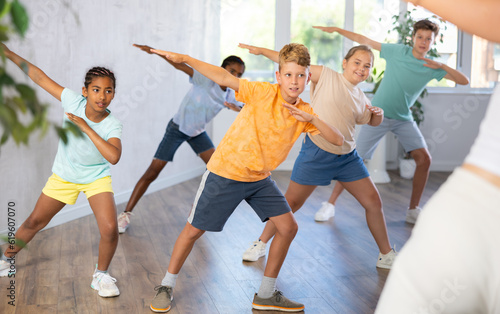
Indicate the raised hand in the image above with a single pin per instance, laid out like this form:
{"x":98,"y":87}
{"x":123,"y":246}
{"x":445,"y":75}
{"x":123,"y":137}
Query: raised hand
{"x":375,"y":110}
{"x":172,"y":56}
{"x":79,"y":122}
{"x":144,"y":48}
{"x":432,"y":64}
{"x":298,"y":114}
{"x":252,"y":49}
{"x":327,"y":29}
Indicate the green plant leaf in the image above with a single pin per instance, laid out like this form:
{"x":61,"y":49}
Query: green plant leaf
{"x":62,"y":134}
{"x":4,"y":8}
{"x":5,"y":79}
{"x":5,"y":137}
{"x":19,"y":17}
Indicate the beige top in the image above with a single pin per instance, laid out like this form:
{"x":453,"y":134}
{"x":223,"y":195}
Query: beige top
{"x":339,"y":103}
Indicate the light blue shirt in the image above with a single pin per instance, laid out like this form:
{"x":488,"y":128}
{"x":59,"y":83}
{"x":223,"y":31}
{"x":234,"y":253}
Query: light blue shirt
{"x":404,"y":79}
{"x":79,"y":161}
{"x":201,"y":104}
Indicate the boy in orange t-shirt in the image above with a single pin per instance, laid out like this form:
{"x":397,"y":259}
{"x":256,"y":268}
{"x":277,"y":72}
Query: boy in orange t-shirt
{"x":256,"y":143}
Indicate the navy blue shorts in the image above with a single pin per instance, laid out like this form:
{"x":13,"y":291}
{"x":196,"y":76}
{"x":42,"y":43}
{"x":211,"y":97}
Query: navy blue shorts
{"x":173,"y":138}
{"x":218,"y":197}
{"x":315,"y":166}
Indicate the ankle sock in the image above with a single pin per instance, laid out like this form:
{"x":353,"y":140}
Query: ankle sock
{"x":267,"y":287}
{"x":4,"y":258}
{"x":169,"y":280}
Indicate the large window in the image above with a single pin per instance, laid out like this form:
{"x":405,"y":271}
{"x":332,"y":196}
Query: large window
{"x":249,"y":22}
{"x":254,"y":22}
{"x":485,"y":63}
{"x":324,"y":48}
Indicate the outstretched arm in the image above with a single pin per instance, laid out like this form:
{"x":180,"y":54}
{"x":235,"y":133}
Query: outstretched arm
{"x":451,"y":74}
{"x":35,"y":74}
{"x":274,"y":56}
{"x":179,"y":66}
{"x":268,"y":53}
{"x":363,"y":40}
{"x":478,"y":17}
{"x":214,"y":73}
{"x":330,"y":133}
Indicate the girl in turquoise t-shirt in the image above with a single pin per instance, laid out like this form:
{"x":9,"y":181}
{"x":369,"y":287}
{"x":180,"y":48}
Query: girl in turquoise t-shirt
{"x":90,"y":155}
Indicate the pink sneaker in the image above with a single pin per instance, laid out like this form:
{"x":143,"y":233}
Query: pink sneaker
{"x":123,"y":221}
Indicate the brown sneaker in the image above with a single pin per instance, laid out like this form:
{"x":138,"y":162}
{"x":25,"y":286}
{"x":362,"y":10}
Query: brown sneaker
{"x":278,"y":302}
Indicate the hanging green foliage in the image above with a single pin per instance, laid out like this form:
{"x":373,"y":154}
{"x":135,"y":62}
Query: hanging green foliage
{"x":21,"y":113}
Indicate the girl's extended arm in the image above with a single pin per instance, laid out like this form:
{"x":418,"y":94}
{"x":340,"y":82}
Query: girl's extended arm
{"x":212,"y":72}
{"x":363,"y":40}
{"x":478,"y":17}
{"x":35,"y":74}
{"x":330,"y":133}
{"x":179,"y":66}
{"x":111,"y":150}
{"x":274,"y":56}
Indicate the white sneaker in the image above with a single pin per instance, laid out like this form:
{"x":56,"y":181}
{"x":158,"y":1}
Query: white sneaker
{"x":5,"y":269}
{"x":123,"y":221}
{"x":105,"y":284}
{"x":386,"y":260}
{"x":412,"y":215}
{"x":326,"y":211}
{"x":255,"y":251}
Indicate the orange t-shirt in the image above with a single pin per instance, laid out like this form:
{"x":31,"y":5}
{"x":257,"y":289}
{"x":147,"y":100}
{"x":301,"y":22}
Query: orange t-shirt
{"x":261,"y":136}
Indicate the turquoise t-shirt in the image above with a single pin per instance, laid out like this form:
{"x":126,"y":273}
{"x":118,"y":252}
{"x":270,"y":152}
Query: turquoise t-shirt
{"x":79,"y":161}
{"x":405,"y":78}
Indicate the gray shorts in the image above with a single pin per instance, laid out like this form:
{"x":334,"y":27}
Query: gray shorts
{"x":218,"y":197}
{"x":407,"y":132}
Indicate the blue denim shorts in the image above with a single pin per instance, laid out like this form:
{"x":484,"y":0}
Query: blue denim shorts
{"x":173,"y":138}
{"x":315,"y":166}
{"x":218,"y":197}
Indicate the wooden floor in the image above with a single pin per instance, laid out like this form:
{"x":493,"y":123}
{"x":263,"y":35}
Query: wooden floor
{"x":330,"y":266}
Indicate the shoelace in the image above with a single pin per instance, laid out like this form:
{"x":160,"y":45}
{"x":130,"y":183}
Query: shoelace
{"x":161,"y":289}
{"x":278,"y":295}
{"x":106,"y":279}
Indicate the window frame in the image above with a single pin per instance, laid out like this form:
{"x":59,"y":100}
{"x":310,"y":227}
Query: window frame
{"x":464,"y":49}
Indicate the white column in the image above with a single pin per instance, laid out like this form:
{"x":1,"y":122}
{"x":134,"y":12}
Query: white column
{"x":376,"y":165}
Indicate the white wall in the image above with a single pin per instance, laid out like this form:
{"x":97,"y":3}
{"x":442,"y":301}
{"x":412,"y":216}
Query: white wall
{"x":65,"y":39}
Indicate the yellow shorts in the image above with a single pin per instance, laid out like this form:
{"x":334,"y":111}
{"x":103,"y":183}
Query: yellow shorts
{"x":68,"y":192}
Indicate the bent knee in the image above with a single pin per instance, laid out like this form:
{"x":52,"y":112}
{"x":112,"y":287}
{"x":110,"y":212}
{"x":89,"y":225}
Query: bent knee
{"x":109,"y":232}
{"x":288,"y":230}
{"x":193,"y":232}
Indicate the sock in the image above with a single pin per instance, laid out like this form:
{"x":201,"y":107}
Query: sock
{"x":4,"y":258}
{"x":267,"y":287}
{"x":97,"y":271}
{"x":169,"y":280}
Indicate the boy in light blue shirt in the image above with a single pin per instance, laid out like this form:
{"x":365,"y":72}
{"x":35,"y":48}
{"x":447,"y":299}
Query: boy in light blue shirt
{"x":201,"y":104}
{"x":407,"y":73}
